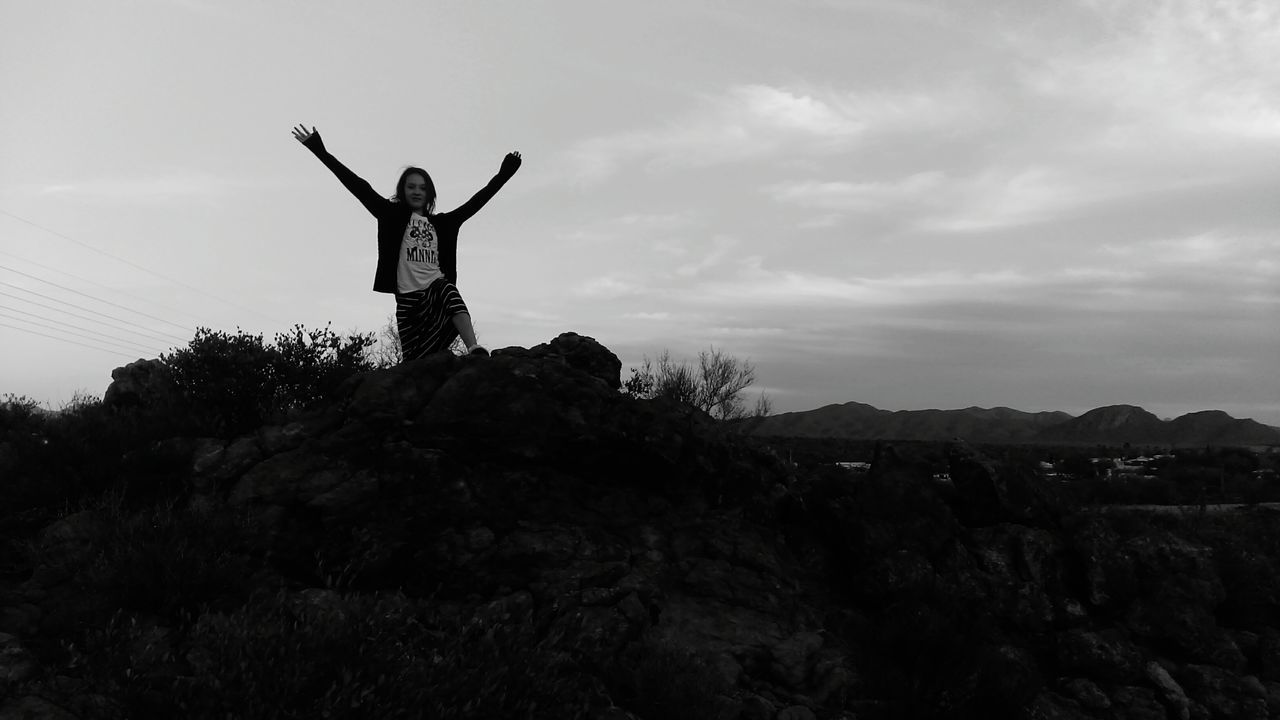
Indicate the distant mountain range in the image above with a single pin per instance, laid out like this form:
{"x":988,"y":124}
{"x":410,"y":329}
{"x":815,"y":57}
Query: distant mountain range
{"x":1112,"y":425}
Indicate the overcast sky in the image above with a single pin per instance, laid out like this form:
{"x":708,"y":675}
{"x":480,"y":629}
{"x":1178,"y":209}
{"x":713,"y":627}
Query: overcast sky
{"x":1047,"y":205}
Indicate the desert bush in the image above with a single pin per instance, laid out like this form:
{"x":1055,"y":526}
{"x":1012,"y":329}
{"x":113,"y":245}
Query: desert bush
{"x":1254,"y":490}
{"x":715,"y":386}
{"x":16,"y":413}
{"x":68,"y":457}
{"x":1246,"y":554}
{"x":936,"y":657}
{"x":230,"y":384}
{"x":112,"y":660}
{"x":312,"y":363}
{"x":657,"y":679}
{"x":167,"y":561}
{"x":377,"y":656}
{"x":235,"y":383}
{"x":374,"y":656}
{"x":21,"y":432}
{"x":1124,"y":491}
{"x":274,"y":659}
{"x":172,"y":562}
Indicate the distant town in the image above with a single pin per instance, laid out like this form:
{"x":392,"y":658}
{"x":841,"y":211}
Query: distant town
{"x":1093,"y":476}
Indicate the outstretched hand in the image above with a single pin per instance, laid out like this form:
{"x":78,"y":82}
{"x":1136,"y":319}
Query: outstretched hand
{"x":510,"y":164}
{"x":302,"y":134}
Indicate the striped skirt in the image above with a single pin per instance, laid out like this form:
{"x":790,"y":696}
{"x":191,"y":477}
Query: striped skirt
{"x":424,"y":319}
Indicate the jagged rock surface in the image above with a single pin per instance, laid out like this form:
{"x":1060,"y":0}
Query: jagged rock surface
{"x":525,"y":489}
{"x":141,"y":382}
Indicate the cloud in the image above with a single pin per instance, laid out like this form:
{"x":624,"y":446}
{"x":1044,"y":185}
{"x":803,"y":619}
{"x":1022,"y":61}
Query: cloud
{"x":607,"y":287}
{"x":1008,"y":197}
{"x":1123,"y":102}
{"x":747,"y":332}
{"x":658,"y":221}
{"x":757,"y":121}
{"x":989,"y":198}
{"x":1139,"y":101}
{"x":857,"y":196}
{"x":756,"y":287}
{"x":773,"y":108}
{"x":1189,"y":276}
{"x":526,"y":315}
{"x":721,"y":248}
{"x":1204,"y":249}
{"x":148,"y":189}
{"x":1222,"y":262}
{"x":821,"y":222}
{"x":1101,"y":275}
{"x":1175,"y":67}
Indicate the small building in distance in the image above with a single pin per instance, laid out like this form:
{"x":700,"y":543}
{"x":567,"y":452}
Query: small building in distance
{"x":856,"y":466}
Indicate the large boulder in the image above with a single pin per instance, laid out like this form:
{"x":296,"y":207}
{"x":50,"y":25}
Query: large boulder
{"x":1105,"y":656}
{"x":585,"y":354}
{"x":142,"y":383}
{"x":1225,"y":694}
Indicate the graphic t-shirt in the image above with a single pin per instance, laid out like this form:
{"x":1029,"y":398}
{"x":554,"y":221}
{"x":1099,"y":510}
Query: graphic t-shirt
{"x":419,"y":264}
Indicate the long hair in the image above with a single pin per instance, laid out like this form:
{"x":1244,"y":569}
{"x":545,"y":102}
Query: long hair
{"x":431,"y":188}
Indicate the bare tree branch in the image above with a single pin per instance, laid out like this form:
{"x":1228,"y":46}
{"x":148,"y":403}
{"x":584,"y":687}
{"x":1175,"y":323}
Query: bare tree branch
{"x":715,"y":386}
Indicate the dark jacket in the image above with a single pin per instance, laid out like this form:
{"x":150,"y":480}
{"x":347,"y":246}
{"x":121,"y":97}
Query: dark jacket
{"x":393,"y":218}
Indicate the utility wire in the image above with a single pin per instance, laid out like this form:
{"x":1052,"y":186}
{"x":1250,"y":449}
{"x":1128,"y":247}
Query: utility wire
{"x":136,"y":266}
{"x":159,"y":335}
{"x":45,"y":322}
{"x":73,"y":342}
{"x":93,"y":282}
{"x":102,"y":337}
{"x":91,"y":297}
{"x":117,"y":347}
{"x":152,"y":337}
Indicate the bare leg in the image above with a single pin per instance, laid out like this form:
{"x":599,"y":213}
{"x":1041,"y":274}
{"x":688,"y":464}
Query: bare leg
{"x":462,"y":321}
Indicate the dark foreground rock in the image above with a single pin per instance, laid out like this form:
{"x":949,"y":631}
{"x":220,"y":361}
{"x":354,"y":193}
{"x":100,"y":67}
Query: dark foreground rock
{"x":608,"y":557}
{"x":142,"y":382}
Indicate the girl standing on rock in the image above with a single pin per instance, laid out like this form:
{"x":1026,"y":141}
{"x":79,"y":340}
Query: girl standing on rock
{"x":417,"y":251}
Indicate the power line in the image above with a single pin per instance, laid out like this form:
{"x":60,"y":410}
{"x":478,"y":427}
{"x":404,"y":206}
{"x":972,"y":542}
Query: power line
{"x":102,"y":337}
{"x":157,"y":335}
{"x":135,"y":265}
{"x":73,"y":342}
{"x":113,"y":344}
{"x":124,"y":343}
{"x":153,"y":336}
{"x":92,"y":282}
{"x":106,"y":302}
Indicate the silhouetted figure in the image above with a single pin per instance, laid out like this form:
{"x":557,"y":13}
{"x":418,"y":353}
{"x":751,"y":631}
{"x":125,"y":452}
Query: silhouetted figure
{"x":417,"y":250}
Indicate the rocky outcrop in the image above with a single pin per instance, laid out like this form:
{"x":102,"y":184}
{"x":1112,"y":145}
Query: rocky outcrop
{"x":140,"y":383}
{"x":637,"y":540}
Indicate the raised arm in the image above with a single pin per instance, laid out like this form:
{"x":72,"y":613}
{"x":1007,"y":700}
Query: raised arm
{"x":364,"y":192}
{"x":510,"y":164}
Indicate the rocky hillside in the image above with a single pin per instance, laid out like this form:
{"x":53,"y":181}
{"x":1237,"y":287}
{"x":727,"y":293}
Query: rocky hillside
{"x":512,"y":537}
{"x":1118,"y":423}
{"x":858,"y":421}
{"x":1111,"y":425}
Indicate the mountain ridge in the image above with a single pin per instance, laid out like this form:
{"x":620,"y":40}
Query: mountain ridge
{"x":1110,"y":424}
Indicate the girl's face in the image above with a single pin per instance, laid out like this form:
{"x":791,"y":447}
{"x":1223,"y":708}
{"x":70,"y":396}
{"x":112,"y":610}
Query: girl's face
{"x":415,"y":191}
